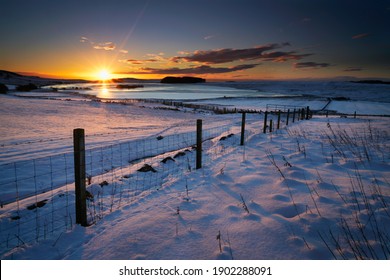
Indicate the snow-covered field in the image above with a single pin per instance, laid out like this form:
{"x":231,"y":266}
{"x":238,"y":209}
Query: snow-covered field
{"x":316,"y":189}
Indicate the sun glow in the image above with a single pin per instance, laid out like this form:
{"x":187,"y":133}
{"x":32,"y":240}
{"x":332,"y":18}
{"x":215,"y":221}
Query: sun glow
{"x":104,"y":75}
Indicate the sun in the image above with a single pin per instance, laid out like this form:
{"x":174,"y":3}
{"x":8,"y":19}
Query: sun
{"x":104,"y":75}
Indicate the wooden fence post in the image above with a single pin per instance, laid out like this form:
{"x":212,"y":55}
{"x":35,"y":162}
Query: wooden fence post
{"x":243,"y":129}
{"x":307,"y":112}
{"x":79,"y":174}
{"x":198,"y":144}
{"x":265,"y":122}
{"x":278,"y":125}
{"x":270,"y":125}
{"x":293,"y":116}
{"x":288,"y":116}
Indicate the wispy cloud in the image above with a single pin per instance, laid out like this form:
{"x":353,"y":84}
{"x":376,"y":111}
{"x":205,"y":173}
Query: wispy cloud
{"x":156,"y":57}
{"x":359,"y":36}
{"x":137,"y":61}
{"x":131,"y":61}
{"x":230,"y":55}
{"x":208,"y":37}
{"x":85,"y":40}
{"x":107,"y":46}
{"x":151,"y":58}
{"x":353,"y":69}
{"x":283,"y":56}
{"x":197,"y":70}
{"x":310,"y":65}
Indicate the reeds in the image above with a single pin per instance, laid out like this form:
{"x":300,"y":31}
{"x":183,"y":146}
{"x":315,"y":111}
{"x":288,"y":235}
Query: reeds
{"x":361,"y":231}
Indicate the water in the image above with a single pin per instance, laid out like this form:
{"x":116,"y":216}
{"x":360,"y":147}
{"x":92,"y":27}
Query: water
{"x":263,"y":89}
{"x":160,"y":91}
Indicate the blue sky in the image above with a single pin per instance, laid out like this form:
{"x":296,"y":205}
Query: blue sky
{"x":244,"y":39}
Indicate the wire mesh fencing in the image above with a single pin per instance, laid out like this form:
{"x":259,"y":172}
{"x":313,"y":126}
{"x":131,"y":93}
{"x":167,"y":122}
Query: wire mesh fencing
{"x":38,"y":196}
{"x":37,"y":200}
{"x":127,"y":171}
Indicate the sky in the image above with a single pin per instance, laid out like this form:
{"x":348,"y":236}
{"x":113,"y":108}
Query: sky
{"x":215,"y":39}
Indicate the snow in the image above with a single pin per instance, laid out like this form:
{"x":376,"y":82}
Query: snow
{"x":280,"y":196}
{"x":48,"y":124}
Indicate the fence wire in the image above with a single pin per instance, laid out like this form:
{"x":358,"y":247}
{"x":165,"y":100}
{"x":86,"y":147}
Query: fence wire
{"x":38,"y":196}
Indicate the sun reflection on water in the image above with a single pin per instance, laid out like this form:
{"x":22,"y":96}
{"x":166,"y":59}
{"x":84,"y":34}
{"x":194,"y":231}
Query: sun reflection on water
{"x":104,"y":91}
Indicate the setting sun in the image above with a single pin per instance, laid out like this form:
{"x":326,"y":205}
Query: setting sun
{"x":104,"y":75}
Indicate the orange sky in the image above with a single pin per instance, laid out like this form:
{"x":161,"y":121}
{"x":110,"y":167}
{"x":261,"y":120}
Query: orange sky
{"x":231,"y":40}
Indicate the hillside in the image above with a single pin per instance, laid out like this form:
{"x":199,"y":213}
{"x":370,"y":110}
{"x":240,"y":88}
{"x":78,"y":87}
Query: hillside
{"x":12,"y":78}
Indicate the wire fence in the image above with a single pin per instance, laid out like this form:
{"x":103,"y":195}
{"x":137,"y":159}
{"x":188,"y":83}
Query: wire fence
{"x":38,"y":196}
{"x":120,"y":174}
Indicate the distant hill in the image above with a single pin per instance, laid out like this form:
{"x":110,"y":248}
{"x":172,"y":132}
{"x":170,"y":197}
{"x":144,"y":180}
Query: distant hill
{"x":126,"y":80}
{"x":8,"y":74}
{"x":182,"y":80}
{"x":12,"y":78}
{"x":371,"y":82}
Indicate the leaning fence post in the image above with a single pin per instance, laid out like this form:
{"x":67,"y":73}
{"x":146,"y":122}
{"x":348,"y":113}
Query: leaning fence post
{"x":265,"y":122}
{"x":79,"y":176}
{"x":198,"y":144}
{"x":243,"y":129}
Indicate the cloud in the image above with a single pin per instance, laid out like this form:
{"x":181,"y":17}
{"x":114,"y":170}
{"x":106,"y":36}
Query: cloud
{"x":283,"y":56}
{"x":138,"y":61}
{"x":107,"y":46}
{"x":155,"y":57}
{"x":123,"y":51}
{"x":229,"y":55}
{"x":353,"y":69}
{"x":151,"y":58}
{"x":198,"y":70}
{"x":310,"y":65}
{"x":359,"y":36}
{"x":208,"y":37}
{"x":183,"y":53}
{"x":131,"y":61}
{"x":85,"y":40}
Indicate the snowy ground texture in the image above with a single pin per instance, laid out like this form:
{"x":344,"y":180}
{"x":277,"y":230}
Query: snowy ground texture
{"x":316,"y":189}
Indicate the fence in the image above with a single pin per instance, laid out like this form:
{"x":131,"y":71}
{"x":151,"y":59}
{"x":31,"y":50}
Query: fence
{"x":39,"y":198}
{"x":281,"y":107}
